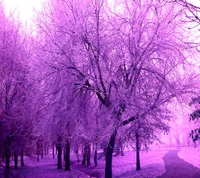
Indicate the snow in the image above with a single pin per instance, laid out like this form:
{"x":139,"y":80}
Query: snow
{"x":152,"y":165}
{"x":191,"y":156}
{"x":45,"y":168}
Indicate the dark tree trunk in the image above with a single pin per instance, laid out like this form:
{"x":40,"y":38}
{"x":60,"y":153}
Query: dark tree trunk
{"x":42,"y":150}
{"x":84,"y":158}
{"x":84,"y":155}
{"x":122,"y":150}
{"x":67,"y":156}
{"x":137,"y":152}
{"x":47,"y":148}
{"x":95,"y":156}
{"x":109,"y":153}
{"x":22,"y":157}
{"x":7,"y":157}
{"x":88,"y":154}
{"x":3,"y":155}
{"x":15,"y":161}
{"x":38,"y":152}
{"x":64,"y":153}
{"x":76,"y":152}
{"x":53,"y":152}
{"x":59,"y":150}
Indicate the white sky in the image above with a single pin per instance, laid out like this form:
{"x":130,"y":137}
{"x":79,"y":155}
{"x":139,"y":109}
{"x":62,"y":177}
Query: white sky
{"x":24,"y":7}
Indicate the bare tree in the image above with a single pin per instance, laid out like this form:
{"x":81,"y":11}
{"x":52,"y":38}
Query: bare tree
{"x":131,"y":59}
{"x":13,"y":90}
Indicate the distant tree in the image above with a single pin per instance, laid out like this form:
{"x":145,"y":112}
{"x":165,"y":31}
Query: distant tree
{"x":145,"y":131}
{"x":195,"y":117}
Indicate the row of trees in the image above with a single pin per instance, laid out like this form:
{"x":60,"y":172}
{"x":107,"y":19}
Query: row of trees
{"x":93,"y":72}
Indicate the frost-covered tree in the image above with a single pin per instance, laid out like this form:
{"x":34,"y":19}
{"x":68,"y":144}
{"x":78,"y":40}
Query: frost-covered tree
{"x":128,"y":55}
{"x":192,"y":10}
{"x":14,"y":92}
{"x":143,"y":132}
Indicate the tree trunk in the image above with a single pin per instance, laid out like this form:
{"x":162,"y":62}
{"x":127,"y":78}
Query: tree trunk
{"x":38,"y":152}
{"x":59,"y":150}
{"x":42,"y":150}
{"x":15,"y":161}
{"x":76,"y":152}
{"x":22,"y":157}
{"x":95,"y":155}
{"x":122,"y":151}
{"x":88,"y":154}
{"x":67,"y":156}
{"x":84,"y":155}
{"x":84,"y":158}
{"x":7,"y":157}
{"x":137,"y":152}
{"x":64,"y":154}
{"x":53,"y":152}
{"x":178,"y":145}
{"x":47,"y":148}
{"x":3,"y":155}
{"x":109,"y":153}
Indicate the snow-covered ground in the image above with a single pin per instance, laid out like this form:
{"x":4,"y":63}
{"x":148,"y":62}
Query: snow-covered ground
{"x":191,"y":156}
{"x":152,"y":166}
{"x":45,"y":168}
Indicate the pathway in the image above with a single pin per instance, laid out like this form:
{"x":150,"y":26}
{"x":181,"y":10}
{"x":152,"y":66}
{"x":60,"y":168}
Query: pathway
{"x":178,"y":168}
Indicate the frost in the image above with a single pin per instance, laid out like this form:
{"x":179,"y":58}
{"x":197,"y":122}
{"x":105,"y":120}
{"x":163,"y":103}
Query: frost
{"x":191,"y":156}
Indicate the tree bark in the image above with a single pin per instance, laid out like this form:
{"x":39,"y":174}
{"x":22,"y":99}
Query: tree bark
{"x":42,"y":149}
{"x":95,"y":155}
{"x":109,"y":153}
{"x":38,"y":152}
{"x":178,"y":143}
{"x":64,"y":154}
{"x":22,"y":157}
{"x":59,"y":150}
{"x":76,"y":152}
{"x":7,"y":157}
{"x":88,"y":154}
{"x":84,"y":156}
{"x":67,"y":156}
{"x":121,"y":149}
{"x":53,"y":152}
{"x":15,"y":161}
{"x":137,"y":152}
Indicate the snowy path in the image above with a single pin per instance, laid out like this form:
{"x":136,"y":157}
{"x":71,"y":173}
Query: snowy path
{"x":178,"y":168}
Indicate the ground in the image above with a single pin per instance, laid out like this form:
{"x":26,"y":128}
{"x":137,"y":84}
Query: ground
{"x":152,"y":164}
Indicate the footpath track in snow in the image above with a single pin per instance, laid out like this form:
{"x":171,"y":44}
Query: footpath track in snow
{"x":178,"y":168}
